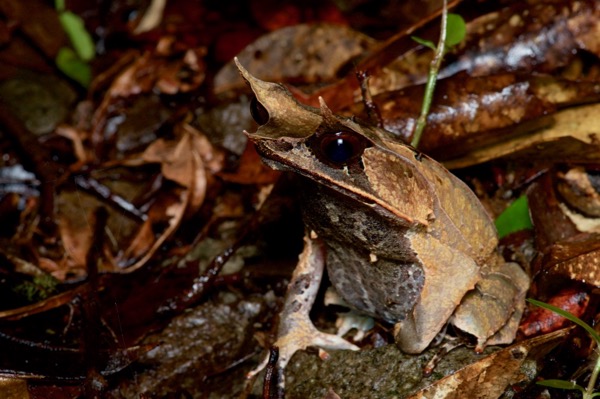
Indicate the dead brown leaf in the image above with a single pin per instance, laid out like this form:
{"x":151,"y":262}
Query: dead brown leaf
{"x":573,"y":136}
{"x":296,"y":50}
{"x":489,"y":377}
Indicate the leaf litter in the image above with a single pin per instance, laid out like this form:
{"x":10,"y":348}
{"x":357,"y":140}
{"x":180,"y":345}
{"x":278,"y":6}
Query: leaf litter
{"x":157,"y":142}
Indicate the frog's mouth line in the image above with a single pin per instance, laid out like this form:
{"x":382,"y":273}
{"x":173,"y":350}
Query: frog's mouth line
{"x":278,"y":162}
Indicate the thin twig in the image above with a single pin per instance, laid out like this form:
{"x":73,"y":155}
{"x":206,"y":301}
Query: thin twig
{"x":431,"y":79}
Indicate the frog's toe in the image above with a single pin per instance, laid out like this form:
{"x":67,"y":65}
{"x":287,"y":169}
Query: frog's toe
{"x":302,"y":338}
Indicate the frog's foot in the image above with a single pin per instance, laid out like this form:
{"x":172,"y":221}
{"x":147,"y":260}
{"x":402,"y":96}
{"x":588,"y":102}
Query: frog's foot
{"x":296,"y":330}
{"x":302,"y":334}
{"x":350,"y":320}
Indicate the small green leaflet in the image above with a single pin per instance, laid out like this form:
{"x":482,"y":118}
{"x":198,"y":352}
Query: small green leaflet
{"x":426,"y":43}
{"x":514,"y":218}
{"x":73,"y":61}
{"x":456,"y":29}
{"x":72,"y":66}
{"x":562,"y":384}
{"x":80,"y":38}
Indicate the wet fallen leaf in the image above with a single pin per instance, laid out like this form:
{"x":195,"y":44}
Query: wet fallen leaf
{"x":540,"y":37}
{"x":576,"y":258}
{"x":489,"y":377}
{"x":572,"y":136}
{"x":471,"y":112}
{"x":550,"y":222}
{"x":179,"y":196}
{"x":541,"y":320}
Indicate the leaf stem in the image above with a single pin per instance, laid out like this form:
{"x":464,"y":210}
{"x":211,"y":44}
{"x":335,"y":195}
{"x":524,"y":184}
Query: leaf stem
{"x":589,"y":391}
{"x":432,"y":78}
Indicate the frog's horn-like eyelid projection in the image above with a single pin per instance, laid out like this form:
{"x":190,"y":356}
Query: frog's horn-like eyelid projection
{"x":277,"y":100}
{"x":325,"y":111}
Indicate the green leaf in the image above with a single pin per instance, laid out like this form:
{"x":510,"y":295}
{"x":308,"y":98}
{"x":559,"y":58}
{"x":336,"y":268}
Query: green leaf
{"x":80,"y":38}
{"x":562,"y":384}
{"x":72,"y":66}
{"x":569,"y":316}
{"x":426,"y":43}
{"x":456,"y":29}
{"x":514,"y":218}
{"x":59,"y":5}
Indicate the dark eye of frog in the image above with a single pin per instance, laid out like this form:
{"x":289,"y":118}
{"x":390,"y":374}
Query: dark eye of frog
{"x":339,"y":149}
{"x":258,"y":111}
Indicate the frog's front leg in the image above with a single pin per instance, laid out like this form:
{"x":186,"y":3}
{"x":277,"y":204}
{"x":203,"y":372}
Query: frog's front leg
{"x":296,"y":331}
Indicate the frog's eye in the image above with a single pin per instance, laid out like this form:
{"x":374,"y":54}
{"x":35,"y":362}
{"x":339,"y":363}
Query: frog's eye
{"x":258,"y":111}
{"x":340,"y":148}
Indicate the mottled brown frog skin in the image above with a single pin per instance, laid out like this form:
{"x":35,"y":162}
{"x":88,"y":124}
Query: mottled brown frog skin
{"x":386,"y":288}
{"x":404,"y":239}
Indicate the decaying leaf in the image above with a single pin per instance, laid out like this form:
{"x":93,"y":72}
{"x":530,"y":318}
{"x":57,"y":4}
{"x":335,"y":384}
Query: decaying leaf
{"x":567,"y":248}
{"x":13,"y":388}
{"x":550,"y":222}
{"x":576,"y":258}
{"x":294,"y":50}
{"x":540,"y":320}
{"x":546,"y":35}
{"x":166,"y":70}
{"x":185,"y":162}
{"x":525,"y":38}
{"x":579,"y":189}
{"x":489,"y":377}
{"x":573,"y":136}
{"x":470,"y":112}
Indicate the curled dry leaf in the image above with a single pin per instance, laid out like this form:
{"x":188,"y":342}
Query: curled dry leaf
{"x":164,"y":216}
{"x":77,"y":137}
{"x":167,"y":67}
{"x":186,"y":161}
